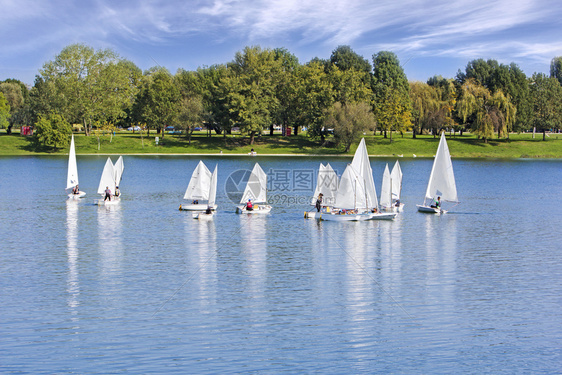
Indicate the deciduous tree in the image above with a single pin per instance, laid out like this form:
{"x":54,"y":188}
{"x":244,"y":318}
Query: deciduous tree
{"x":349,"y":121}
{"x":391,"y":104}
{"x":547,"y":98}
{"x":52,"y":130}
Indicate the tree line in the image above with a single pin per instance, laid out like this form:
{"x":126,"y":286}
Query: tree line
{"x":335,"y":99}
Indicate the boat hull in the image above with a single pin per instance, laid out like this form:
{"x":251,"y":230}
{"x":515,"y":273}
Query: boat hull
{"x":345,"y":217}
{"x":196,"y":207}
{"x":382,"y":216}
{"x":313,"y":215}
{"x":429,"y":210}
{"x":112,"y":202}
{"x":259,"y":209}
{"x":77,"y":196}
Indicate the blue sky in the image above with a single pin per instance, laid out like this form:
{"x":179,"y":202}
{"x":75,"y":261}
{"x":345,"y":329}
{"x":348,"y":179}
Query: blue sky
{"x":430,"y":37}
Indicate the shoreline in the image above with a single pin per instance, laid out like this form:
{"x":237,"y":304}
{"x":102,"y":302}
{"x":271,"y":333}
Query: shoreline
{"x":487,"y":157}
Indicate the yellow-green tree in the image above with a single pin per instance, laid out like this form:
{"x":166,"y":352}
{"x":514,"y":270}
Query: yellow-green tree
{"x":486,"y":113}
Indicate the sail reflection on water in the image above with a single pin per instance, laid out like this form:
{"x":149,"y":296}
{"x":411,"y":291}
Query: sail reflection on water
{"x":72,"y":279}
{"x":110,"y":241}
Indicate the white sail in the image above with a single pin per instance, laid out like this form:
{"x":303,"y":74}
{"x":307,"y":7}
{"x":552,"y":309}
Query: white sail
{"x":351,"y":191}
{"x":396,"y":178}
{"x":362,"y":166}
{"x":213,"y":188}
{"x":107,"y":179}
{"x":327,"y":184}
{"x":386,"y":189}
{"x":200,"y":183}
{"x":118,"y":169}
{"x":72,"y":175}
{"x":442,"y":179}
{"x":256,"y":188}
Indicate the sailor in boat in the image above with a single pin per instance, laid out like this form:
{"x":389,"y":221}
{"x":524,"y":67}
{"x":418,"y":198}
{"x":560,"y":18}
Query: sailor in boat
{"x":397,"y":203}
{"x":208,"y":210}
{"x":76,"y":190}
{"x":117,"y":192}
{"x":107,"y":194}
{"x":249,"y":205}
{"x":436,"y":203}
{"x":195,"y":201}
{"x":319,"y":202}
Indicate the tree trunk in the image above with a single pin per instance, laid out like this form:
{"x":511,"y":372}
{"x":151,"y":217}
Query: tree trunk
{"x":385,"y":134}
{"x":544,"y":135}
{"x":296,"y":130}
{"x":414,"y":133}
{"x":271,"y":129}
{"x":252,"y":137}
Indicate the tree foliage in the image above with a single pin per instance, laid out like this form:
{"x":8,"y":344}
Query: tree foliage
{"x":486,"y":112}
{"x":251,"y":98}
{"x":158,"y":101}
{"x":52,"y":130}
{"x":349,"y":121}
{"x":547,"y":103}
{"x":391,"y":103}
{"x":4,"y":111}
{"x":556,"y":68}
{"x":89,"y":85}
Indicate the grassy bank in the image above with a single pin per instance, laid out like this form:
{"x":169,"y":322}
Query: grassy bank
{"x":467,"y":146}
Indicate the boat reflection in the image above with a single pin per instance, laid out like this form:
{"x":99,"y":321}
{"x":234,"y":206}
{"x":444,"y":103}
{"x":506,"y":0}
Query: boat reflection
{"x":253,"y":234}
{"x":72,"y":253}
{"x":110,"y":240}
{"x":201,"y":243}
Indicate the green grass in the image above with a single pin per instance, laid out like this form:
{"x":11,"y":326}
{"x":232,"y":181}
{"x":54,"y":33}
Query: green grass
{"x":467,"y":146}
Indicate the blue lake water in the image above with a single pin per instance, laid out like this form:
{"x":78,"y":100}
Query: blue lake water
{"x":142,"y":287}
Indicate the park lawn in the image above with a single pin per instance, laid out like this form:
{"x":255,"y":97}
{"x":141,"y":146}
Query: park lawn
{"x":466,"y":146}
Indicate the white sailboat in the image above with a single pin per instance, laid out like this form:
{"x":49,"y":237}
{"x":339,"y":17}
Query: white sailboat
{"x":72,"y":174}
{"x":391,"y":189}
{"x":110,"y":179}
{"x":396,"y":178}
{"x":359,"y":186}
{"x":199,"y":189}
{"x":386,"y":190}
{"x":256,"y":192}
{"x":441,"y":181}
{"x":209,"y":213}
{"x":327,"y":185}
{"x":351,"y":199}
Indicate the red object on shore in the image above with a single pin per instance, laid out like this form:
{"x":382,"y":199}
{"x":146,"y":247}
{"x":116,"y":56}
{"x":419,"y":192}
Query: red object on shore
{"x":288,"y":131}
{"x":26,"y":130}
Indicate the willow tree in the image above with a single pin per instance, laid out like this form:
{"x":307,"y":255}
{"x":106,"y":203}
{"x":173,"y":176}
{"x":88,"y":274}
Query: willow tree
{"x":425,"y":101}
{"x":487,"y":113}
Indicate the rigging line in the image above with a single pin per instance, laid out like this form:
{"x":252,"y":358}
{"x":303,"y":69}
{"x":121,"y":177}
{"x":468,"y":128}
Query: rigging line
{"x":198,"y":270}
{"x":371,"y":277}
